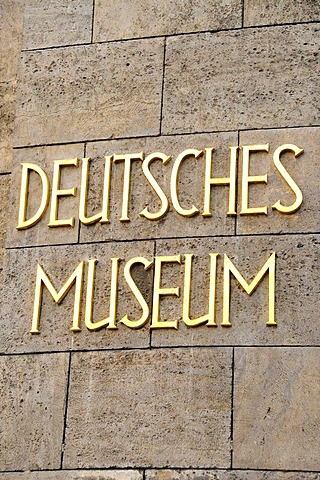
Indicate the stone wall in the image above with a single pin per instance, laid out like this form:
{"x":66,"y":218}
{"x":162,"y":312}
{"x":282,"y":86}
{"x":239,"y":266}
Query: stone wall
{"x":97,"y":78}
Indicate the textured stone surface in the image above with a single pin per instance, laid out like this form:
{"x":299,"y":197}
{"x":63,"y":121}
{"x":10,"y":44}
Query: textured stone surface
{"x":32,"y":402}
{"x":79,"y":475}
{"x":190,"y":188}
{"x":254,"y":78}
{"x":89,"y":92}
{"x":150,"y":408}
{"x":41,"y":234}
{"x":4,"y":195}
{"x":226,"y":475}
{"x":114,"y":21}
{"x":55,"y":320}
{"x":10,"y":43}
{"x":266,"y":12}
{"x":276,"y":408}
{"x":297,"y":292}
{"x":305,"y":171}
{"x":56,"y":22}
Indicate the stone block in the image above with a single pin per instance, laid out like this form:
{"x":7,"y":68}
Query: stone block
{"x":190,"y":188}
{"x":89,"y":92}
{"x":55,"y":22}
{"x":55,"y":320}
{"x":276,"y":408}
{"x":226,"y":475}
{"x":305,"y":171}
{"x":150,"y":408}
{"x":252,"y":78}
{"x":41,"y":234}
{"x":296,"y":292}
{"x":32,"y":401}
{"x":268,"y":12}
{"x":4,"y":194}
{"x":115,"y":21}
{"x":77,"y":475}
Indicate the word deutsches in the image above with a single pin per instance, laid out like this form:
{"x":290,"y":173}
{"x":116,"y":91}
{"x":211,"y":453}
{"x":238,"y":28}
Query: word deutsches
{"x":50,"y":196}
{"x":78,"y":278}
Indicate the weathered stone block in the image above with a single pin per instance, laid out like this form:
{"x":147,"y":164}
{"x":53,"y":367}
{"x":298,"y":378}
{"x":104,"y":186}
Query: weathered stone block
{"x":89,"y":92}
{"x":4,"y":194}
{"x":41,"y":234}
{"x":297,"y":260}
{"x":266,"y":12}
{"x":253,"y":78}
{"x":77,"y":475}
{"x":115,"y":21}
{"x":55,"y":22}
{"x":33,"y":389}
{"x":190,"y":189}
{"x":226,"y":475}
{"x":55,"y":320}
{"x":150,"y":408}
{"x":304,"y":170}
{"x":276,"y":408}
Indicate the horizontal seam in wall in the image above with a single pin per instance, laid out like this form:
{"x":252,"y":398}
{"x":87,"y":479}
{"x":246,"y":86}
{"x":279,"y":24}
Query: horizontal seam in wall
{"x":171,"y":35}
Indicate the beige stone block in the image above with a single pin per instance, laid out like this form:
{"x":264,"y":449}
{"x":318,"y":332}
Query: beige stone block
{"x":266,"y":12}
{"x":276,"y":408}
{"x":304,"y":170}
{"x":11,"y":14}
{"x":190,"y":189}
{"x":78,"y":475}
{"x":89,"y":92}
{"x":41,"y":234}
{"x":4,"y":194}
{"x":226,"y":475}
{"x":297,"y":299}
{"x":150,"y":408}
{"x":55,"y":320}
{"x":252,"y":78}
{"x":33,"y":389}
{"x":56,"y":22}
{"x":115,"y":21}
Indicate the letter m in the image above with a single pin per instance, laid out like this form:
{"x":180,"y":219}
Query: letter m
{"x":43,"y":279}
{"x":269,"y":266}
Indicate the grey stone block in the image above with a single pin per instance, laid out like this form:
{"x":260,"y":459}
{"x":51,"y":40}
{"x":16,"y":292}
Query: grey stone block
{"x":276,"y":408}
{"x":55,"y":22}
{"x":190,"y":188}
{"x":226,"y":475}
{"x":116,"y":21}
{"x":305,"y":172}
{"x":33,"y":389}
{"x":266,"y":12}
{"x":150,"y":408}
{"x":297,"y":296}
{"x":77,"y":475}
{"x":56,"y":320}
{"x":89,"y":92}
{"x":253,"y":78}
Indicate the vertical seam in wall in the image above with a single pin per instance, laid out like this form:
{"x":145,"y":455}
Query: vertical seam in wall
{"x":92,"y":23}
{"x":150,"y":329}
{"x":162,"y":87}
{"x":65,"y":413}
{"x":143,"y":475}
{"x":242,"y":18}
{"x":232,"y":406}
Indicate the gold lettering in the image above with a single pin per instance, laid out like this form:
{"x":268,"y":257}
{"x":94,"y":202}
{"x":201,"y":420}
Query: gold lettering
{"x":174,"y":182}
{"x":84,"y":195}
{"x":288,"y":179}
{"x":43,"y":279}
{"x":127,"y":159}
{"x":164,"y":201}
{"x":22,"y":222}
{"x":145,"y":308}
{"x":231,"y":181}
{"x":106,"y":189}
{"x":249,"y":288}
{"x":247,"y":179}
{"x":158,"y":291}
{"x":210,"y":317}
{"x":109,"y":322}
{"x":56,"y":193}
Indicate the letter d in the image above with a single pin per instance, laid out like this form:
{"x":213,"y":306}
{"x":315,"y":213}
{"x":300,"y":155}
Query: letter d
{"x":23,"y":223}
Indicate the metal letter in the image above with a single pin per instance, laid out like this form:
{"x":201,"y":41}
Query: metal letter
{"x":174,"y":182}
{"x":56,"y":193}
{"x":246,"y":179}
